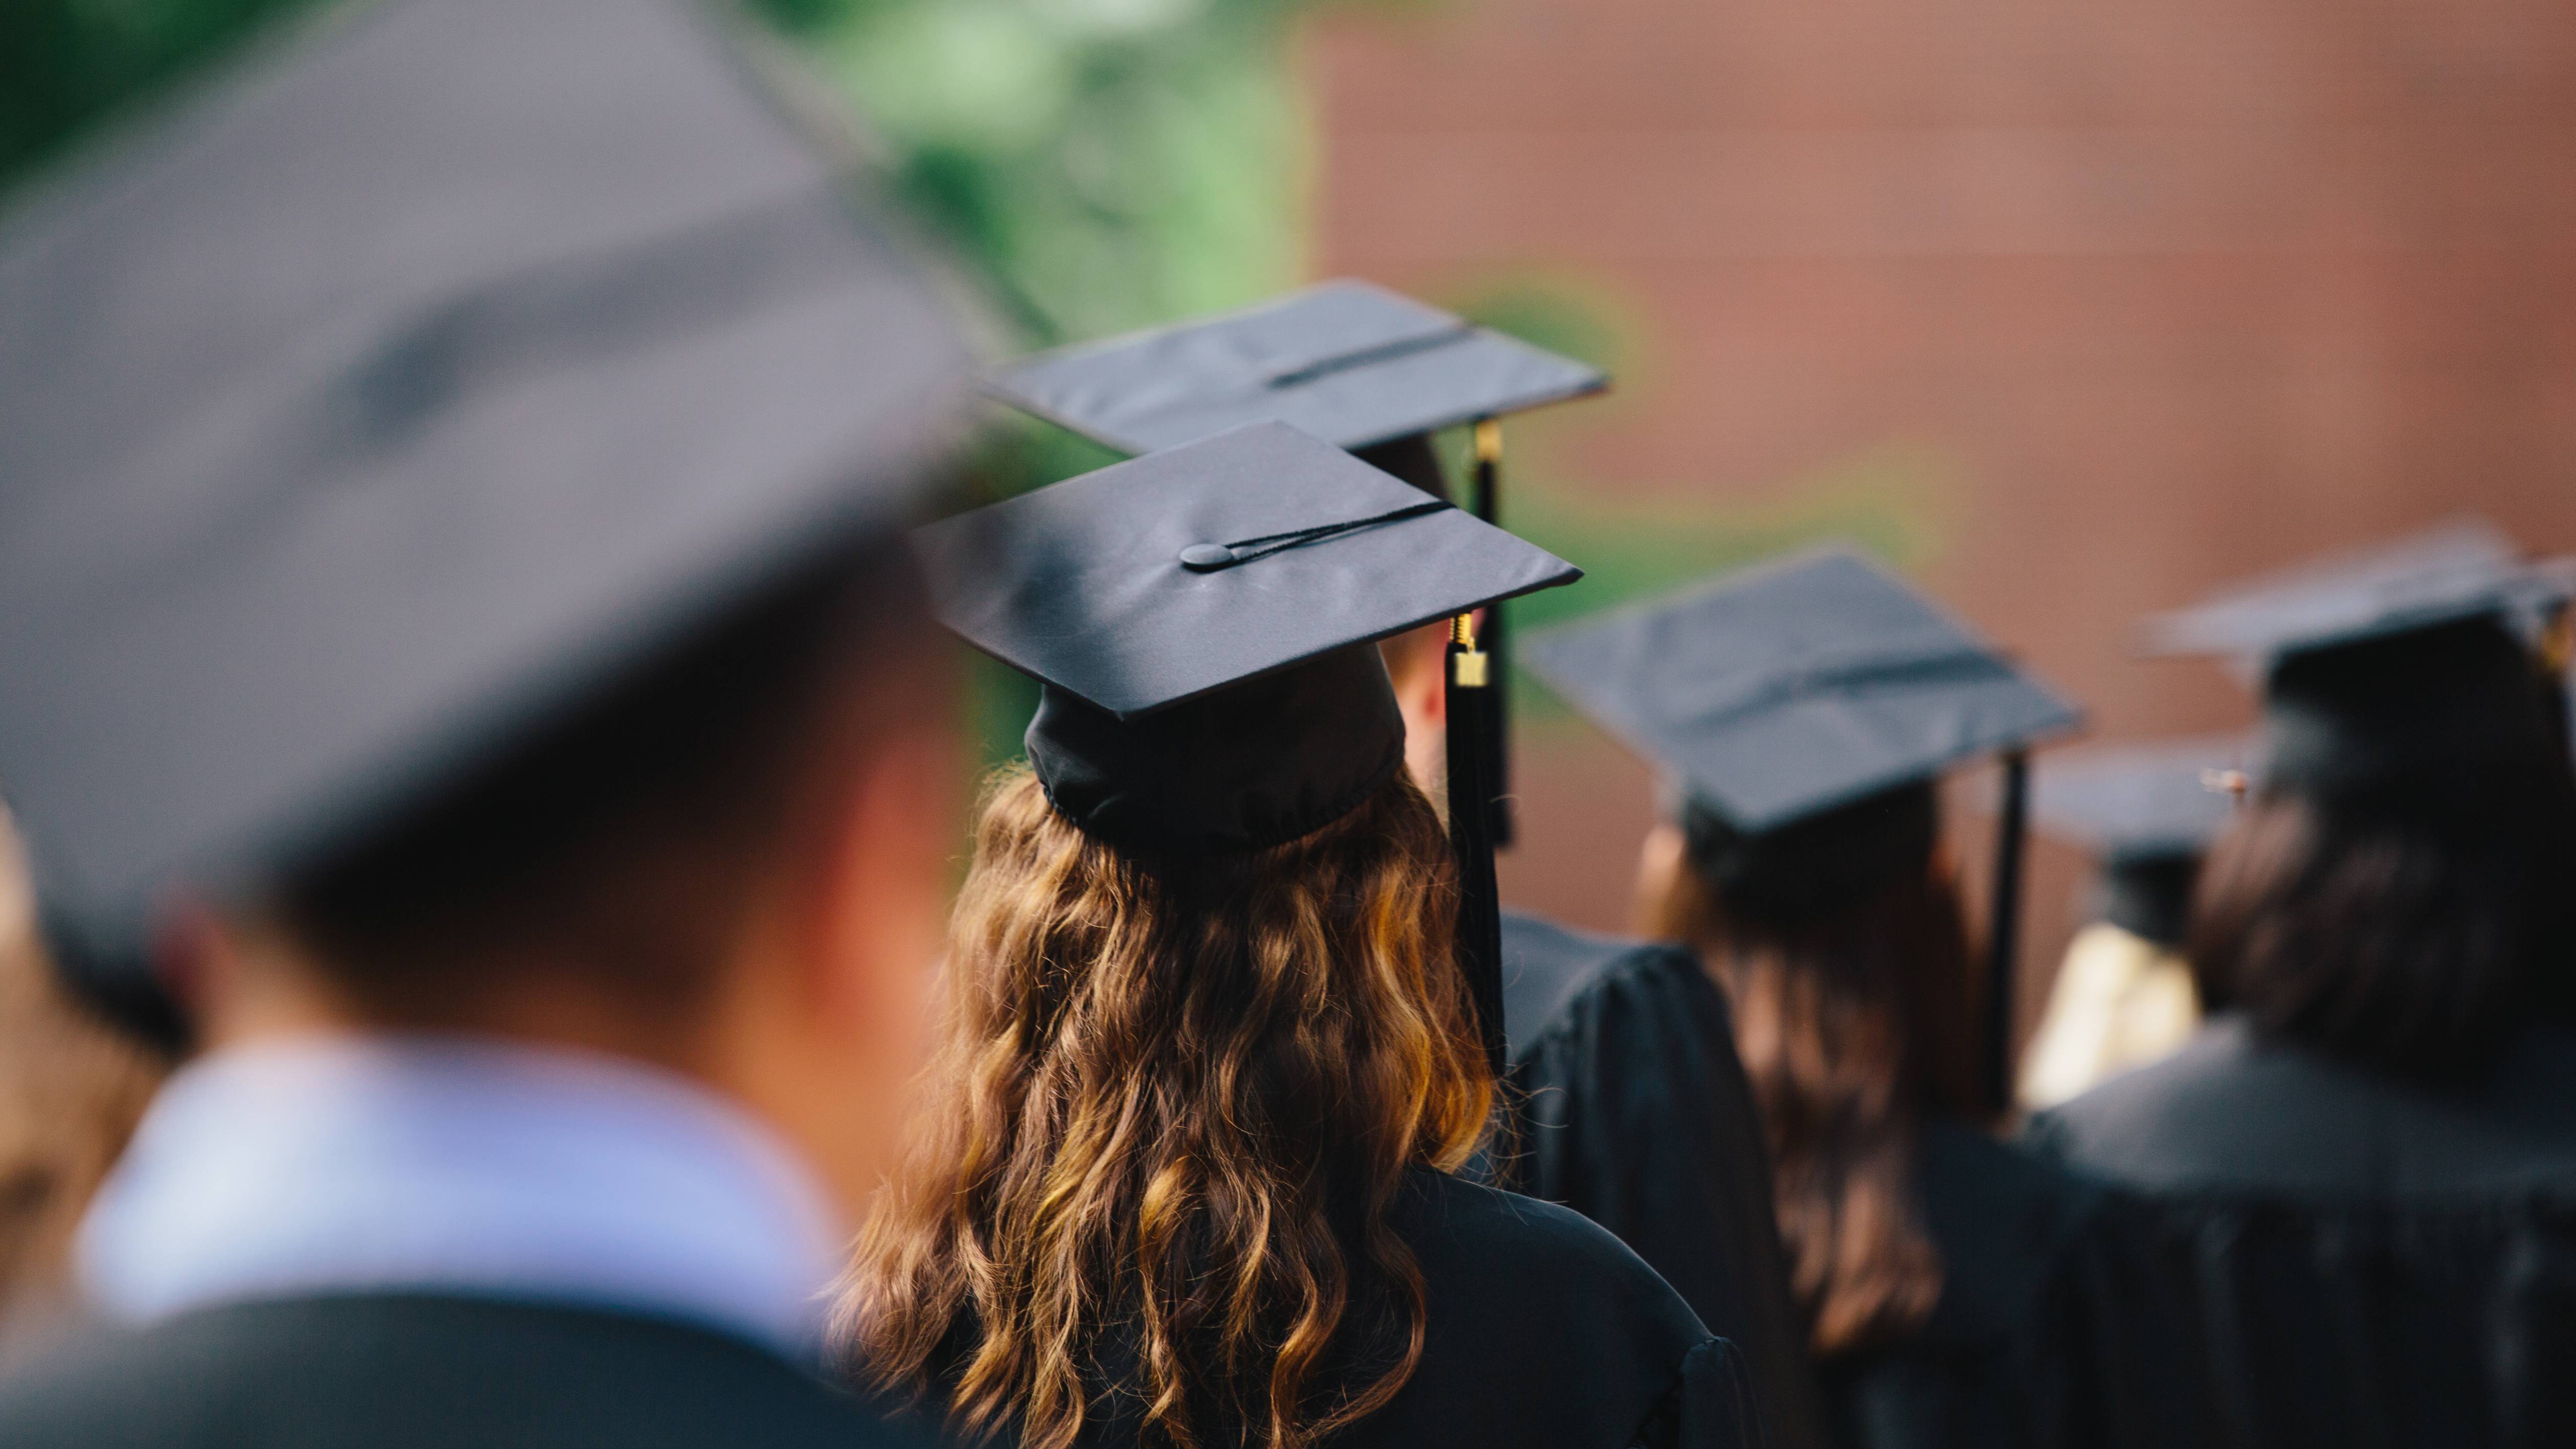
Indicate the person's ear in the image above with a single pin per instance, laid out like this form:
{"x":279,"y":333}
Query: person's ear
{"x":1416,"y":665}
{"x":882,"y":884}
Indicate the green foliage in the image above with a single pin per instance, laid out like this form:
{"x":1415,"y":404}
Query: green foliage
{"x":1107,"y":163}
{"x":65,"y":65}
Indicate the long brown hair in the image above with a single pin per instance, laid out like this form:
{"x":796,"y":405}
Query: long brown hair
{"x":1843,"y":945}
{"x":1172,"y":1108}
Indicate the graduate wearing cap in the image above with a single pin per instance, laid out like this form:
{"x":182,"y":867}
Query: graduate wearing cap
{"x":1356,"y":365}
{"x":2359,"y":1173}
{"x":2124,"y":996}
{"x":1619,"y":1052}
{"x":1217,"y":1043}
{"x":463,"y":697}
{"x":1803,"y":712}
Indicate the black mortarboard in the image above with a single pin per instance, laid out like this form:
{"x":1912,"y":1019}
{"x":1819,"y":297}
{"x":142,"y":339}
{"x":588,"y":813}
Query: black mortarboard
{"x":399,"y":389}
{"x":2459,"y":570}
{"x":2402,"y":679}
{"x":2148,"y":813}
{"x":1348,"y":362}
{"x":1351,"y":363}
{"x":2169,"y":797}
{"x":1780,"y":692}
{"x":1200,"y":619}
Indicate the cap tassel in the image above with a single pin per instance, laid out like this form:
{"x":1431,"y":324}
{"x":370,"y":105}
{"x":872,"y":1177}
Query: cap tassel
{"x":1480,"y":924}
{"x":1497,"y":783}
{"x":2003,"y":922}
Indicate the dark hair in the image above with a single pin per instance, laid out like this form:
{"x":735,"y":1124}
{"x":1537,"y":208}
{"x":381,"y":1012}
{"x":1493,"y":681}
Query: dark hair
{"x":1414,"y":459}
{"x":2149,"y":896}
{"x":2399,"y":893}
{"x":1846,"y":953}
{"x":624,"y":837}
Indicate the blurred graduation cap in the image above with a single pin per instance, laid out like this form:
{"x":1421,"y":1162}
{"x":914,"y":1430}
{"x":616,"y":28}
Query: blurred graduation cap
{"x":403,"y":387}
{"x":1348,"y":362}
{"x":2456,"y":570}
{"x":1201,"y":622}
{"x":2394,"y":676}
{"x":2147,"y":812}
{"x":1783,"y":691}
{"x":1356,"y":365}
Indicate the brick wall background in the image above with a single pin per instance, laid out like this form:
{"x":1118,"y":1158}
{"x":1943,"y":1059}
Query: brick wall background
{"x":2140,"y":294}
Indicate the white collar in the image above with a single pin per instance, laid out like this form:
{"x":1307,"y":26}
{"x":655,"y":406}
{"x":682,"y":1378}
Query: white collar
{"x":451,"y":1164}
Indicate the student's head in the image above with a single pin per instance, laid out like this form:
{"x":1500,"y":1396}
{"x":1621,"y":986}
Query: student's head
{"x":2397,"y":893}
{"x":1841,"y":941}
{"x":1175,"y":1096}
{"x":480,"y":667}
{"x":1207,"y":1001}
{"x":730,"y":864}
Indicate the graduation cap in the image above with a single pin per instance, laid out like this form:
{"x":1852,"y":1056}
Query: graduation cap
{"x":403,"y":387}
{"x":1350,"y":363}
{"x":1356,"y":365}
{"x":1201,"y":622}
{"x":2148,"y":813}
{"x":2457,"y":570}
{"x":1781,"y":692}
{"x":2397,"y":676}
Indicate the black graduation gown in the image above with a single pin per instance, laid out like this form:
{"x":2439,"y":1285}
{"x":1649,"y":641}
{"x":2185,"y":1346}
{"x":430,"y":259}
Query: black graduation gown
{"x":2010,"y":1226}
{"x":425,"y":1372}
{"x":1636,"y":1113}
{"x":1543,"y":1333}
{"x":2327,"y":1256}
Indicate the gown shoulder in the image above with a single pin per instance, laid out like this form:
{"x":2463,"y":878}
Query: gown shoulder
{"x":413,"y":1371}
{"x":1635,"y":1112}
{"x":1546,"y":1330}
{"x":2011,"y":1227}
{"x":2231,"y":1114}
{"x":2319,"y":1254}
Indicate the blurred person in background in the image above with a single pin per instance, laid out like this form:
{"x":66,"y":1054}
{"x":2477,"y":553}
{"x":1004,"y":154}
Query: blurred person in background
{"x":461,"y":687}
{"x":1190,"y":1164}
{"x":1634,"y":1108}
{"x":2363,"y":1169}
{"x":1625,"y":1097}
{"x":71,"y":1089}
{"x":1804,"y":712}
{"x":2124,"y":996}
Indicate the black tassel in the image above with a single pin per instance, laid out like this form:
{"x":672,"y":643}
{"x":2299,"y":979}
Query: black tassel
{"x":2003,"y":924}
{"x":1496,"y":782}
{"x":1480,"y":920}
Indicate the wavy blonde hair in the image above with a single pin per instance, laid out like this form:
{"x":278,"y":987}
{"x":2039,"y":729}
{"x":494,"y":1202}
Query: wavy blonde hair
{"x":1174,"y":1102}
